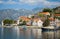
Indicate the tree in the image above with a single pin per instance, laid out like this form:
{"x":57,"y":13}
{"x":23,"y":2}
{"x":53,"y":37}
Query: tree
{"x":20,"y":20}
{"x":46,"y":22}
{"x":57,"y":10}
{"x":57,"y":17}
{"x":8,"y":21}
{"x":41,"y":15}
{"x":32,"y":16}
{"x":24,"y":22}
{"x":47,"y":10}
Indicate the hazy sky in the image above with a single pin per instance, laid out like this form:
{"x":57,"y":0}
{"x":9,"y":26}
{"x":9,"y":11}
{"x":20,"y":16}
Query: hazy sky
{"x":28,"y":4}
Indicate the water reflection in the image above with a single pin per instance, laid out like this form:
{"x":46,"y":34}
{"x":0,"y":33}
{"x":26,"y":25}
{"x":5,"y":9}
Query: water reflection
{"x":16,"y":32}
{"x":51,"y":35}
{"x":19,"y":33}
{"x":2,"y":33}
{"x":37,"y":33}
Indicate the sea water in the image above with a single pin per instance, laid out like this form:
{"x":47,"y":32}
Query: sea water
{"x":19,"y":33}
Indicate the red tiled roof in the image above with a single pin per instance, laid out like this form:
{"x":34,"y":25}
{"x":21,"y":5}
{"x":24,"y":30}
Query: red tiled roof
{"x":45,"y":13}
{"x":57,"y":14}
{"x":25,"y":18}
{"x":51,"y":19}
{"x":36,"y":19}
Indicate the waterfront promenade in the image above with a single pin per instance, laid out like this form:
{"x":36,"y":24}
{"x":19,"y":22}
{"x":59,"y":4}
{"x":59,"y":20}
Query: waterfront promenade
{"x":34,"y":27}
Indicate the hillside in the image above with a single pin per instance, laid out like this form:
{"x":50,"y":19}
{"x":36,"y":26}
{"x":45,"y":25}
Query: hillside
{"x":57,"y":9}
{"x":13,"y":14}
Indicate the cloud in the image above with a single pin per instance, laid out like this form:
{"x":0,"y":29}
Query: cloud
{"x":41,"y":2}
{"x":31,"y":2}
{"x":10,"y":2}
{"x":7,"y":2}
{"x":48,"y":3}
{"x":1,"y":1}
{"x":28,"y":1}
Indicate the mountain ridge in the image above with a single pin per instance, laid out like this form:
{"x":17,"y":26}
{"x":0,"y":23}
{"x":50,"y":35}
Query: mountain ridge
{"x":14,"y":14}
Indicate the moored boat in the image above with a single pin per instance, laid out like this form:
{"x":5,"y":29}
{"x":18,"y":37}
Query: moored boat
{"x":50,"y":28}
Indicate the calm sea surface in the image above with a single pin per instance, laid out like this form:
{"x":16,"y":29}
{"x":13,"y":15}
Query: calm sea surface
{"x":19,"y":33}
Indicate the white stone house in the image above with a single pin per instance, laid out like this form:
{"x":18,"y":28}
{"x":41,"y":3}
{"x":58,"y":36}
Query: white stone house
{"x":29,"y":23}
{"x":26,"y":19}
{"x":40,"y":23}
{"x":52,"y":21}
{"x":37,"y":22}
{"x":2,"y":23}
{"x":34,"y":23}
{"x":18,"y":21}
{"x":57,"y":22}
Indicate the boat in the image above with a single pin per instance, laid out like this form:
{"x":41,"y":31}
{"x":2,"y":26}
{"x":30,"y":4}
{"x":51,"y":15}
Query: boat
{"x":49,"y":28}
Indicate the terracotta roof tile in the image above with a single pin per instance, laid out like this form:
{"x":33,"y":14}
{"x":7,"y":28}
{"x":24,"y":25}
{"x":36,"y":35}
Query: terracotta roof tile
{"x":25,"y":18}
{"x":51,"y":19}
{"x":57,"y":14}
{"x":36,"y":19}
{"x":45,"y":13}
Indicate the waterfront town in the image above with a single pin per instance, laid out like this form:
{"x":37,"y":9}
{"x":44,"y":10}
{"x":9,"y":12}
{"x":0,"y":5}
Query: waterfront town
{"x":29,"y":19}
{"x":44,"y":20}
{"x":41,"y":19}
{"x":48,"y":18}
